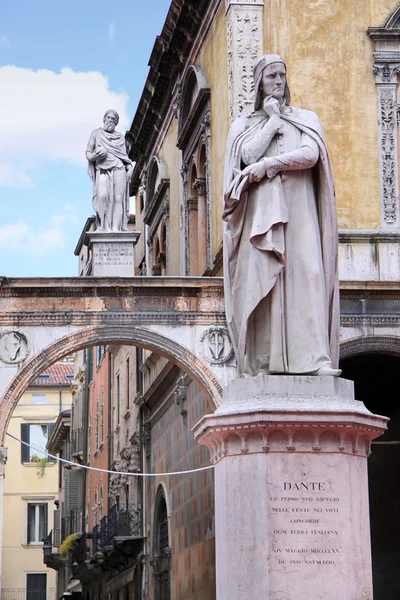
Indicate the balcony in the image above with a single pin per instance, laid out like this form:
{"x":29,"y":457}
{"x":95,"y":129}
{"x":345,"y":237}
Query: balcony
{"x":77,"y":442}
{"x":71,"y":523}
{"x":25,"y":593}
{"x":51,"y":555}
{"x":114,"y":542}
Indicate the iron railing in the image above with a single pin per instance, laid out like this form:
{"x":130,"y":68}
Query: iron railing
{"x":71,"y":523}
{"x":25,"y":594}
{"x":77,"y":441}
{"x":79,"y":553}
{"x":118,"y":523}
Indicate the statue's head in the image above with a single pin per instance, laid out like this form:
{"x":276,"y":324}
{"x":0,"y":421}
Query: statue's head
{"x":110,"y":120}
{"x":270,"y":79}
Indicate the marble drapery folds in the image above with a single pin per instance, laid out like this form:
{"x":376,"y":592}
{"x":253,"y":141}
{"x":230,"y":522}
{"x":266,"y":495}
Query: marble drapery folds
{"x":280,"y":247}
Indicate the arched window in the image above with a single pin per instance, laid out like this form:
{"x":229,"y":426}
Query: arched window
{"x":161,"y":559}
{"x":194,"y":135}
{"x":157,"y":211}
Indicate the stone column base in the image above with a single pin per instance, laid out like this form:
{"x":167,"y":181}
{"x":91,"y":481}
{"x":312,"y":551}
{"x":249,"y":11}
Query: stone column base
{"x":291,"y":489}
{"x":112,"y":253}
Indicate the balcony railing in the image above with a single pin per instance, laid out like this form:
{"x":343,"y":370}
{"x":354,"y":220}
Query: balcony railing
{"x":80,"y":552}
{"x":77,"y":441}
{"x":25,"y":594}
{"x":118,"y":523}
{"x":71,"y":523}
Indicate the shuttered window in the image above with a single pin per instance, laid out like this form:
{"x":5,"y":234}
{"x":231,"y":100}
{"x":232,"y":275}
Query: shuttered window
{"x":72,"y":489}
{"x":36,"y":522}
{"x":37,"y":435}
{"x":57,"y":528}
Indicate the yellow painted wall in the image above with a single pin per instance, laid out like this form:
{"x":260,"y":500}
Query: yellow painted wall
{"x":22,"y":485}
{"x":329,"y":59}
{"x":214,"y":61}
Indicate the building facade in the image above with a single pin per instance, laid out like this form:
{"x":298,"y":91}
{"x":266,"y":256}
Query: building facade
{"x":31,"y":487}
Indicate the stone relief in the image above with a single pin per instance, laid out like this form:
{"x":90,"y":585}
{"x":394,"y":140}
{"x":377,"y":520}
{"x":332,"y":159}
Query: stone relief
{"x":244,"y":37}
{"x":216,"y":346}
{"x":388,"y":132}
{"x":14,"y":347}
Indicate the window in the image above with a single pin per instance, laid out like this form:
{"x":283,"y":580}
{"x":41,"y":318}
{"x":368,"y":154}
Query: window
{"x":38,"y":398}
{"x":36,"y":586}
{"x":127,"y":384}
{"x":100,"y":351}
{"x":36,"y":523}
{"x":118,"y":399}
{"x":37,"y":435}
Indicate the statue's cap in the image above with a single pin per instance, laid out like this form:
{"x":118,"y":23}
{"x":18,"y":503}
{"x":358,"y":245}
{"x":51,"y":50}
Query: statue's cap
{"x":259,"y":66}
{"x":264,"y":61}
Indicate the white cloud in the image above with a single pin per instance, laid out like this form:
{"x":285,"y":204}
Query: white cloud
{"x":49,"y":237}
{"x":47,"y":116}
{"x":15,"y":176}
{"x":4,"y":41}
{"x":111,"y":32}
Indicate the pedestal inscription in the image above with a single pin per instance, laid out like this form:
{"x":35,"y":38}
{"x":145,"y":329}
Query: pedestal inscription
{"x":305,"y":523}
{"x":291,"y":494}
{"x":112,"y":253}
{"x":116,"y":256}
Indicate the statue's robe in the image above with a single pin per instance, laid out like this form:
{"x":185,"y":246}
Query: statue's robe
{"x":280,"y":248}
{"x":109,"y":173}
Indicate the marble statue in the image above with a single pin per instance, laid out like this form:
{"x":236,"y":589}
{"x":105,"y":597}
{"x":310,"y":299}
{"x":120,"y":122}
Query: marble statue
{"x":280,"y":236}
{"x":111,"y":170}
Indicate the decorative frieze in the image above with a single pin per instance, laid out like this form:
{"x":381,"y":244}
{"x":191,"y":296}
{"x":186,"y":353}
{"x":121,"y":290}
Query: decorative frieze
{"x":244,"y":23}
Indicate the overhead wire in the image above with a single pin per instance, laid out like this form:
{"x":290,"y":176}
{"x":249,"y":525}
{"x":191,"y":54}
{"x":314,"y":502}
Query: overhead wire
{"x":127,"y":473}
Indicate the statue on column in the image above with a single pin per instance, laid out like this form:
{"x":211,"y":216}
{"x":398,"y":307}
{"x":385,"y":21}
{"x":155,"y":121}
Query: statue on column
{"x":111,"y":170}
{"x":280,"y":236}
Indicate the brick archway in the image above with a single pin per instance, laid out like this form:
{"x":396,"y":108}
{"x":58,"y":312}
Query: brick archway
{"x":121,"y":334}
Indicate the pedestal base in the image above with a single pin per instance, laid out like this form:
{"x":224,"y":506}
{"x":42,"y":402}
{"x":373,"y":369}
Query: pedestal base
{"x":112,"y":253}
{"x":291,"y":491}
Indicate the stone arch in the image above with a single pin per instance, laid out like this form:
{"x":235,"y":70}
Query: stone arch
{"x":122,"y":334}
{"x":370,"y":344}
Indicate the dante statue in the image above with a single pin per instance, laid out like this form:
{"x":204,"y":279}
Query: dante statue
{"x":111,"y":170}
{"x":280,"y":236}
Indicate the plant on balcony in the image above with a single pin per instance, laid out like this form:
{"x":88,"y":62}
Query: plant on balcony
{"x":70,"y":543}
{"x":41,"y":462}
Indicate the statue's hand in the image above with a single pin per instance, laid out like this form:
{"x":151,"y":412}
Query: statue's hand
{"x":255,"y":172}
{"x":100,"y":153}
{"x":271,"y":106}
{"x":129,"y":174}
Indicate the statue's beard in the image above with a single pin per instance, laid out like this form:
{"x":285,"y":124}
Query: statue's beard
{"x":109,"y":127}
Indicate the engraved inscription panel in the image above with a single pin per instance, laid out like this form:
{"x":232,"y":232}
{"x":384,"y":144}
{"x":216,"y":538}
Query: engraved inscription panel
{"x":113,"y":259}
{"x":305,"y":514}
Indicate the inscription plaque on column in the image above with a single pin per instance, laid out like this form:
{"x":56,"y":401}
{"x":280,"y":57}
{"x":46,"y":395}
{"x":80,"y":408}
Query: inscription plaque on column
{"x":112,"y":253}
{"x":305,"y":523}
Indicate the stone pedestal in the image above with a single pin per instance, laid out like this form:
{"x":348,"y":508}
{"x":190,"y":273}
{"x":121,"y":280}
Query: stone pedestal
{"x":112,"y":253}
{"x":291,"y":490}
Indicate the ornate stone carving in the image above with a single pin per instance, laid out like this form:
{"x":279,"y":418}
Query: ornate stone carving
{"x":216,"y":346}
{"x":244,"y":37}
{"x":388,"y":142}
{"x":14,"y":347}
{"x":386,"y":72}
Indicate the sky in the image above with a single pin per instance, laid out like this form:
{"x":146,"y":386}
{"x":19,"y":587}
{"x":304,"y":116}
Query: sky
{"x":62,"y":65}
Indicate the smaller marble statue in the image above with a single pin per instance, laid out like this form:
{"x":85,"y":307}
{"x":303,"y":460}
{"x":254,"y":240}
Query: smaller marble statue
{"x":111,"y":170}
